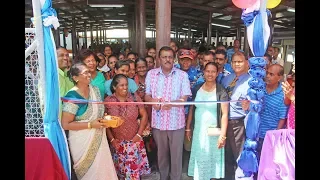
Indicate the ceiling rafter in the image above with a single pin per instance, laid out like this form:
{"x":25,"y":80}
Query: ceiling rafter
{"x":80,"y":9}
{"x":198,"y":17}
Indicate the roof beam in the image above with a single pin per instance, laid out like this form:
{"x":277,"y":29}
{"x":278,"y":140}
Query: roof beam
{"x":285,"y":25}
{"x":192,"y":6}
{"x":80,"y":9}
{"x":292,"y":16}
{"x":110,"y":2}
{"x":200,"y":19}
{"x":207,"y":2}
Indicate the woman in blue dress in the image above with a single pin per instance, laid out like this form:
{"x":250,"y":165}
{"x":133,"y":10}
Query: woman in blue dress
{"x":207,"y":152}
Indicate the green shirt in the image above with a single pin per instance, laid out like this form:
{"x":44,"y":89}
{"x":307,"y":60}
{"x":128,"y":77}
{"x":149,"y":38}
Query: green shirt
{"x":99,"y":81}
{"x":65,"y":84}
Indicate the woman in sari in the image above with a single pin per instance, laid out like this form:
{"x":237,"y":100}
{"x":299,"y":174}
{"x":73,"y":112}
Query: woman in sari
{"x":87,"y":136}
{"x":89,"y":58}
{"x":128,"y":150}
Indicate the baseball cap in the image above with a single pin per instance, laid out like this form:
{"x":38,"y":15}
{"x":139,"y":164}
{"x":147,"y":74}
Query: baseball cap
{"x":185,"y":53}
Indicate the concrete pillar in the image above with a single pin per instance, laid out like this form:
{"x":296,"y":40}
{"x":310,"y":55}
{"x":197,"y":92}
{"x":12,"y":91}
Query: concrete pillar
{"x":163,"y":25}
{"x":217,"y":37}
{"x":189,"y":32}
{"x":176,"y":34}
{"x":64,"y":41}
{"x":101,"y":35}
{"x":134,"y":32}
{"x":271,"y":24}
{"x":137,"y":22}
{"x":91,"y":34}
{"x":202,"y":37}
{"x":209,"y":29}
{"x":57,"y":34}
{"x":85,"y":35}
{"x":97,"y":36}
{"x":142,"y":28}
{"x":74,"y":37}
{"x":238,"y":35}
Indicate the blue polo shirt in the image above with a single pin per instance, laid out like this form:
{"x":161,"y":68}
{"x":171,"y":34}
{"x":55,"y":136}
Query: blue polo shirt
{"x":274,"y":109}
{"x":239,"y":93}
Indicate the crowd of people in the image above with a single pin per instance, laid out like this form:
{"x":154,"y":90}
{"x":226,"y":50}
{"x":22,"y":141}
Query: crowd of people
{"x":213,"y":133}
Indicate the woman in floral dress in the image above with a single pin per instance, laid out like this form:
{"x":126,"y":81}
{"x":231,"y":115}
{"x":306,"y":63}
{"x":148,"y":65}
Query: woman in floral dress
{"x":128,"y":149}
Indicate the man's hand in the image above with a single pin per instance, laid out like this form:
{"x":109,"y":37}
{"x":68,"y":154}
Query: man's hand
{"x":245,"y":105}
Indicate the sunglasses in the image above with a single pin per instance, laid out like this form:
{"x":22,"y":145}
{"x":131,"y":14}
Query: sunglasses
{"x":185,"y":52}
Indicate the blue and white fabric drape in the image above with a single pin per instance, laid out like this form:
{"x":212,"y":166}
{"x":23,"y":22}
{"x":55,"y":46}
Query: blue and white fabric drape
{"x":255,"y":19}
{"x":52,"y":127}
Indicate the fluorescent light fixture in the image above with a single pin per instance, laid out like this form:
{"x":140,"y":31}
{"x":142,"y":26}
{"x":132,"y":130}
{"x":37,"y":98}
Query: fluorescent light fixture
{"x":187,"y":29}
{"x":214,"y":24}
{"x":113,"y":20}
{"x":106,"y":5}
{"x":291,"y":10}
{"x":121,"y":14}
{"x":116,"y":26}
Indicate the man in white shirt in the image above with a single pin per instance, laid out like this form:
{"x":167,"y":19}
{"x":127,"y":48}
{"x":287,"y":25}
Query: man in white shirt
{"x":276,"y":59}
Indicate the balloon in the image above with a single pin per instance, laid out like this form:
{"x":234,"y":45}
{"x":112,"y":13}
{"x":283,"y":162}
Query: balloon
{"x":272,"y":3}
{"x":244,"y":3}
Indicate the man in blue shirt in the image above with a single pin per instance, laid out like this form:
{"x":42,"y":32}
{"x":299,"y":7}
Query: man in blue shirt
{"x":208,"y":56}
{"x":237,"y":86}
{"x":236,"y":48}
{"x":186,"y":57}
{"x":224,"y":69}
{"x":274,"y":112}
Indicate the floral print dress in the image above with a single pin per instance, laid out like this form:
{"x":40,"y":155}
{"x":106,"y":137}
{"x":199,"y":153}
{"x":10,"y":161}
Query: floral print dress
{"x":130,"y":159}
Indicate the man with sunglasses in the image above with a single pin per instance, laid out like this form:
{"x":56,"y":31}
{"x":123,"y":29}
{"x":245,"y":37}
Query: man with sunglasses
{"x":237,"y":86}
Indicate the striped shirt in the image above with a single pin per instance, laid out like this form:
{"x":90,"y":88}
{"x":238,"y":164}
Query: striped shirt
{"x":169,"y":88}
{"x":274,"y":109}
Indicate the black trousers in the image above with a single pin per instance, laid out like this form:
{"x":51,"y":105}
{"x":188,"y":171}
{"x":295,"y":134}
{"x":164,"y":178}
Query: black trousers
{"x":234,"y":145}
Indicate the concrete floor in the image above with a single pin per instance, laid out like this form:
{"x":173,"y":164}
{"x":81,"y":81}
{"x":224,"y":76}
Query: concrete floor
{"x":156,"y":176}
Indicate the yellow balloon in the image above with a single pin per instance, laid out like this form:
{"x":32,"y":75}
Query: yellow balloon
{"x":272,"y":3}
